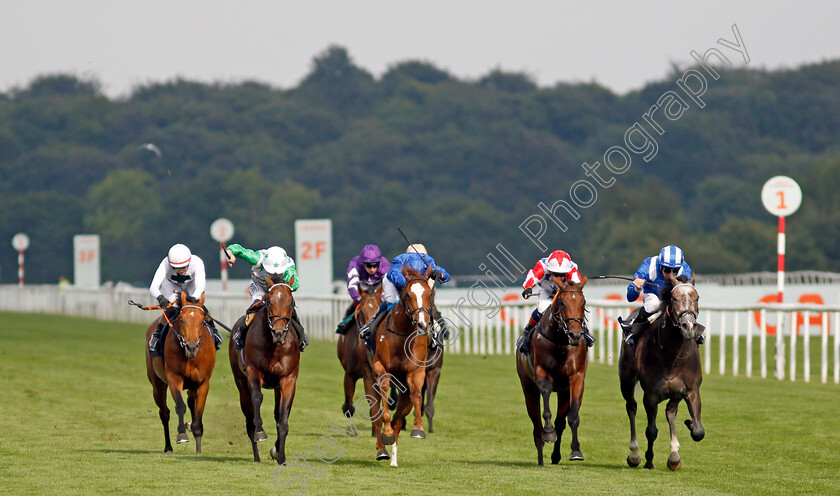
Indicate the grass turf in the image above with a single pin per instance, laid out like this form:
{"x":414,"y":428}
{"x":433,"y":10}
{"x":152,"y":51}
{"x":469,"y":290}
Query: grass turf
{"x":78,"y":418}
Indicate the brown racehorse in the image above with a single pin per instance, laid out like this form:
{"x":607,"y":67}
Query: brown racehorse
{"x":189,"y":356}
{"x":666,"y":362}
{"x":401,"y":344}
{"x":557,"y":363}
{"x":270,"y":359}
{"x":352,"y":352}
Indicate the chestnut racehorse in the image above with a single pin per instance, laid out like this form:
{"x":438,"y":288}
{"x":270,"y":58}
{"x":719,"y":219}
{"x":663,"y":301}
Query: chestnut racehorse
{"x":352,"y":352}
{"x":189,"y":356}
{"x":270,"y":359}
{"x":666,"y":363}
{"x":557,"y":363}
{"x":401,"y":344}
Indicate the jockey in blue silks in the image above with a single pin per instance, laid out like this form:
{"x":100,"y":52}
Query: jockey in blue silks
{"x":415,"y":258}
{"x":653,"y":270}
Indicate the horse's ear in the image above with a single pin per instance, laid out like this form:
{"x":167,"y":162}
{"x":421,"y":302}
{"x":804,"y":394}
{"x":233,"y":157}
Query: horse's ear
{"x":291,"y":281}
{"x":405,"y":271}
{"x":428,"y":272}
{"x":183,"y":298}
{"x":268,"y":281}
{"x":378,"y":291}
{"x":583,"y":281}
{"x":691,"y":281}
{"x":201,"y":300}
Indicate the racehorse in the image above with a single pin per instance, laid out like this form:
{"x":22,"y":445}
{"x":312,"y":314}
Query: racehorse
{"x":352,"y":352}
{"x":270,"y":359}
{"x":189,"y":356}
{"x":401,"y":345}
{"x":666,"y":362}
{"x":557,"y":363}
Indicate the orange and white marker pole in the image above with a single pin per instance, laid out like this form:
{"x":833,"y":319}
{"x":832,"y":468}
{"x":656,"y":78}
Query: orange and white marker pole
{"x":781,"y":265}
{"x":781,"y":196}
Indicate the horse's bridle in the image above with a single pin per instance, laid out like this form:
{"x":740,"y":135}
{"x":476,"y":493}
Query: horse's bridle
{"x":562,"y":319}
{"x":675,"y":319}
{"x":411,"y":313}
{"x":359,"y":306}
{"x":273,"y":319}
{"x":177,"y":330}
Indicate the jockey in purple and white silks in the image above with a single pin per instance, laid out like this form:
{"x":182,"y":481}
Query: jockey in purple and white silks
{"x":366,"y":270}
{"x":415,"y":258}
{"x":653,"y":271}
{"x":180,"y":271}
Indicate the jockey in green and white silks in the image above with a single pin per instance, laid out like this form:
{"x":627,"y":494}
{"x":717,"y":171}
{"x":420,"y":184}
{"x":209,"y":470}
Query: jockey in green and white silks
{"x":269,"y":262}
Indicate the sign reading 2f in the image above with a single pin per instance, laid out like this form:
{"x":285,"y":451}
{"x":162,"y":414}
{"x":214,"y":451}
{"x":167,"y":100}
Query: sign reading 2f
{"x":313,"y":255}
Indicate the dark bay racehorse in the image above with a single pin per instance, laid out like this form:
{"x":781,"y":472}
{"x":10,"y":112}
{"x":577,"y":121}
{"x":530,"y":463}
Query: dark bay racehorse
{"x":270,"y":359}
{"x":666,"y":363}
{"x":557,"y":364}
{"x":401,"y":345}
{"x":189,"y":356}
{"x":352,"y":352}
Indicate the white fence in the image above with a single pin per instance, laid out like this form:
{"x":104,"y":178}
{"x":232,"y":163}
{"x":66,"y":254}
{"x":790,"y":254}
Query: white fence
{"x":782,"y":334}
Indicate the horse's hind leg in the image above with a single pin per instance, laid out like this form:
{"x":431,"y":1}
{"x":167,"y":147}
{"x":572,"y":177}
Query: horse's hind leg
{"x":532,"y":403}
{"x":628,"y":388}
{"x":159,"y":394}
{"x":401,"y":411}
{"x":255,"y":385}
{"x":651,"y":405}
{"x":199,"y":400}
{"x":349,"y":389}
{"x":671,"y":414}
{"x":248,"y":411}
{"x":416,"y":379}
{"x":695,"y":425}
{"x":430,"y":389}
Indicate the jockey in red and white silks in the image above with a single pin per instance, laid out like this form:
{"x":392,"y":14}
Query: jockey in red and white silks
{"x":559,"y":262}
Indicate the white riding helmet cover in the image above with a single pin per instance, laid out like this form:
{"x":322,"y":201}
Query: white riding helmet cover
{"x":179,"y":256}
{"x":275,"y":260}
{"x":416,"y":246}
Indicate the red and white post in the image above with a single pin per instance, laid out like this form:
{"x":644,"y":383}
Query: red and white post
{"x":781,"y":267}
{"x":223,"y":258}
{"x":20,"y":268}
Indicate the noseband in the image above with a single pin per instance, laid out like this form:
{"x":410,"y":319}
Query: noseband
{"x":273,"y":319}
{"x":177,"y":329}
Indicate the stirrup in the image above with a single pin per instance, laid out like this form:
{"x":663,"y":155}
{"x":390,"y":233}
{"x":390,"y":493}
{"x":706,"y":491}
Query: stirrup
{"x":589,"y":338}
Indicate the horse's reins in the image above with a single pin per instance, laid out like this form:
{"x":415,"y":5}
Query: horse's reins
{"x":675,"y":320}
{"x":359,"y":307}
{"x":177,"y":331}
{"x":409,"y":313}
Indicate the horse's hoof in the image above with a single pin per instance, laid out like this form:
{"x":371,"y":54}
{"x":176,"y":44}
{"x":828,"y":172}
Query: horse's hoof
{"x":388,"y":440}
{"x":549,"y":437}
{"x":182,"y":438}
{"x":382,"y":455}
{"x":167,"y":449}
{"x":576,"y":456}
{"x":674,"y":462}
{"x":273,"y":452}
{"x":418,"y":434}
{"x":260,"y":436}
{"x":649,"y":466}
{"x":633,"y":460}
{"x":348,"y":411}
{"x":555,"y":458}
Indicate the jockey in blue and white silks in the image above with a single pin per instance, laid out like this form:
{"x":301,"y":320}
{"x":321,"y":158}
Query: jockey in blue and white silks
{"x":653,"y":270}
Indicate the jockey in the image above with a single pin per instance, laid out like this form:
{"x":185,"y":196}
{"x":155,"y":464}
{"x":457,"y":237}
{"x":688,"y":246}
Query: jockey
{"x":556,"y":267}
{"x":179,"y":271}
{"x":653,"y":271}
{"x":415,"y":258}
{"x":270,"y":262}
{"x":367,"y":269}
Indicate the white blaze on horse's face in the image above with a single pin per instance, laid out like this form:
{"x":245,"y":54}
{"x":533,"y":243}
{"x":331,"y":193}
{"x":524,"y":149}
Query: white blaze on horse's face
{"x":418,"y":292}
{"x":686,"y":306}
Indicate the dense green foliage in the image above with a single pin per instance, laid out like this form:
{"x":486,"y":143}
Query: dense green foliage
{"x":458,"y":164}
{"x":79,"y":418}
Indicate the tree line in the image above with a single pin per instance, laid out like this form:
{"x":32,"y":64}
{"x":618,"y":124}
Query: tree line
{"x":458,"y":164}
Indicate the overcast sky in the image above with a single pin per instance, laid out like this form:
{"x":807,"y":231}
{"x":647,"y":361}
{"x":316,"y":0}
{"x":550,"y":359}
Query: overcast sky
{"x":620,"y":45}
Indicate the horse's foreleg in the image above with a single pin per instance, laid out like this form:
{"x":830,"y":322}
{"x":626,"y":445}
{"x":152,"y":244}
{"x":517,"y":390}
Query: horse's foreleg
{"x":628,"y":388}
{"x":159,"y":394}
{"x":430,"y":388}
{"x":176,"y":389}
{"x":255,"y":385}
{"x":401,"y":411}
{"x":575,"y":402}
{"x":416,"y":379}
{"x":532,"y":404}
{"x":651,"y":405}
{"x":545,"y":387}
{"x":284,"y":396}
{"x":560,"y":423}
{"x":382,"y":384}
{"x":199,"y":400}
{"x":695,"y":425}
{"x":671,"y":414}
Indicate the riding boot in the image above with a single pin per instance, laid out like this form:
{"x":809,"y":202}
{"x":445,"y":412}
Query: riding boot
{"x":304,"y":341}
{"x":344,"y":324}
{"x":155,"y":341}
{"x":524,"y":341}
{"x":588,"y":337}
{"x":700,"y":338}
{"x":365,"y":330}
{"x":240,"y":333}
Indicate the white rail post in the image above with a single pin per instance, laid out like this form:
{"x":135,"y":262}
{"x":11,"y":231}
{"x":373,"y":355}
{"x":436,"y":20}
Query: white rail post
{"x":762,"y":340}
{"x":806,"y":346}
{"x":836,"y":348}
{"x":707,"y":359}
{"x":780,"y":346}
{"x":824,"y":347}
{"x":792,"y":346}
{"x":735,"y":339}
{"x":722,"y":357}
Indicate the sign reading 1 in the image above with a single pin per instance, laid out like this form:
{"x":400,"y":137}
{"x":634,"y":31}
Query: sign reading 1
{"x":781,"y":196}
